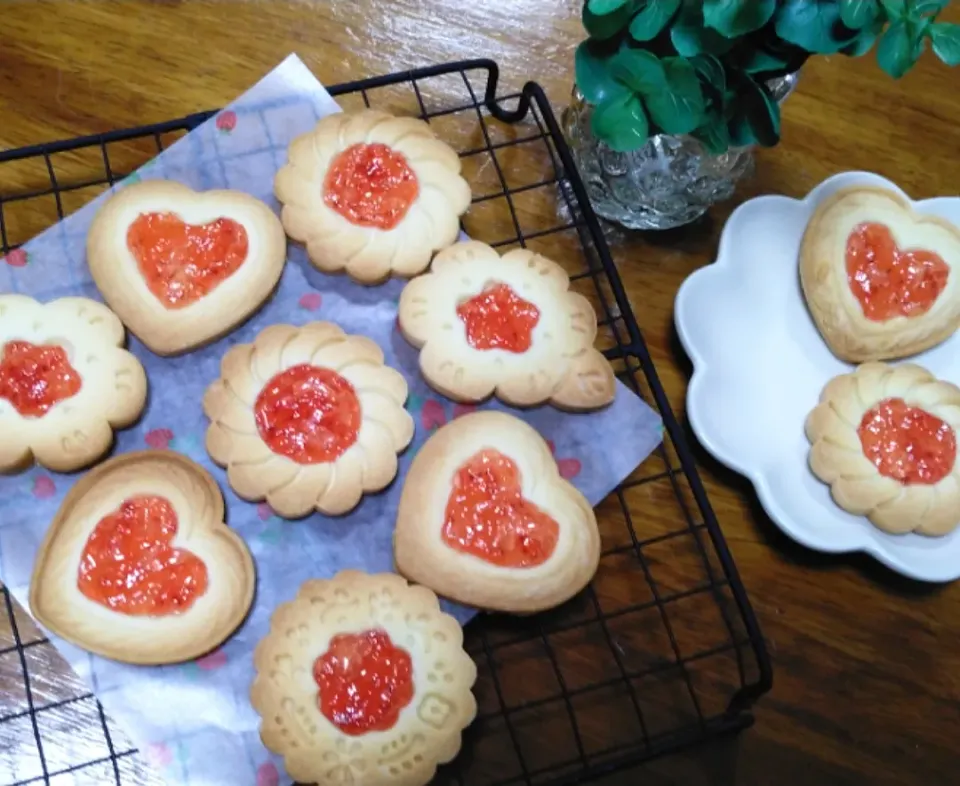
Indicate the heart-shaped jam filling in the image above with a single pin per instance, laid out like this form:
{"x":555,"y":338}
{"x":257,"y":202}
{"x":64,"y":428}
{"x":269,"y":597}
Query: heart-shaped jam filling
{"x":364,"y":682}
{"x":33,"y":377}
{"x":370,"y":186}
{"x":907,"y":443}
{"x":181,"y":262}
{"x":129,"y":566}
{"x":498,"y":318}
{"x":487,"y":515}
{"x":889,"y":282}
{"x":308,"y":414}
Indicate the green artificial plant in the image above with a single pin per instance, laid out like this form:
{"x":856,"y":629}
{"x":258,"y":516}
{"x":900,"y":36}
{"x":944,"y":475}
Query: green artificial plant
{"x":700,"y":67}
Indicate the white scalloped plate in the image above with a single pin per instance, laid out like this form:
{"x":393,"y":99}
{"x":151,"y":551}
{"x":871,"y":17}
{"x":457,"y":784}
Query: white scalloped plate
{"x":760,"y":364}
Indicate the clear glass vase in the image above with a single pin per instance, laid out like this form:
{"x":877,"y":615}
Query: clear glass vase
{"x":669,"y":182}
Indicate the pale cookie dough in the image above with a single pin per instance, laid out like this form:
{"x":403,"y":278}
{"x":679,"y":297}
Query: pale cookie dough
{"x":561,"y":366}
{"x":424,"y":554}
{"x":836,"y":311}
{"x":905,"y":498}
{"x":427,"y":729}
{"x":370,"y":392}
{"x":78,"y":429}
{"x":367,"y":248}
{"x":174,"y":319}
{"x":58,"y":603}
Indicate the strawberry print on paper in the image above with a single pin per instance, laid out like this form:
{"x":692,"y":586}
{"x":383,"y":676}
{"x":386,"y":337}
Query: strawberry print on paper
{"x":226,"y":121}
{"x":268,"y":775}
{"x":569,"y":467}
{"x":432,"y":416}
{"x":43,"y":487}
{"x":158,"y":755}
{"x":158,"y":438}
{"x":17,"y":258}
{"x":215,"y":660}
{"x":311,"y":301}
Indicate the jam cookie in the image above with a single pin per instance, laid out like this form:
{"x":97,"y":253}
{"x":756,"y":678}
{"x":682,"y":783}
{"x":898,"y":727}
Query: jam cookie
{"x":485,"y":518}
{"x":879,"y":278}
{"x":363,"y":680}
{"x":138,"y":565}
{"x":508,"y":326}
{"x":307,"y":418}
{"x":371,"y":194}
{"x":65,"y":382}
{"x":182,"y":268}
{"x":885,"y":439}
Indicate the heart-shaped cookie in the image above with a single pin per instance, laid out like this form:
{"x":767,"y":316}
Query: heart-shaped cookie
{"x":182,"y":268}
{"x":486,"y":519}
{"x":880,"y":280}
{"x":185,"y":580}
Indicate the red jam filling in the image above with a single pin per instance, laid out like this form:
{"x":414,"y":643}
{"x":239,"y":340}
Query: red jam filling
{"x":364,"y":682}
{"x":488,"y":517}
{"x":498,"y":318}
{"x":36,"y":377}
{"x":182,"y":262}
{"x":129,"y":566}
{"x":308,"y":414}
{"x":371,"y":186}
{"x":907,"y":444}
{"x":889,"y":282}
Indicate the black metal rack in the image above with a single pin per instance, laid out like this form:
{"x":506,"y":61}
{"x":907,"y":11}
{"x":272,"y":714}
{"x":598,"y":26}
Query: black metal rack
{"x":663,"y":650}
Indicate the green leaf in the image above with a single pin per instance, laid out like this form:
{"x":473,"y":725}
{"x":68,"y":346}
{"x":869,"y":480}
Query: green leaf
{"x":680,"y":108}
{"x":604,"y":7}
{"x":865,"y":39}
{"x":811,"y":24}
{"x":639,"y":70}
{"x":758,"y":61}
{"x":762,"y":112}
{"x":856,"y":14}
{"x":896,"y":53}
{"x":621,"y":123}
{"x":945,"y":38}
{"x":594,"y":76}
{"x":740,"y":132}
{"x":714,"y":135}
{"x":652,"y":18}
{"x":711,"y":71}
{"x":612,"y":18}
{"x":734,"y":18}
{"x":922,"y":7}
{"x":895,"y":8}
{"x":689,"y":36}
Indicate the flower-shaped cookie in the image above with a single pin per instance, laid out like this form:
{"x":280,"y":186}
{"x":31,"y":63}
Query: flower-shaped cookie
{"x":363,"y":680}
{"x":138,"y":565}
{"x":881,"y":281}
{"x":180,"y":267}
{"x":371,"y":194}
{"x":65,"y":382}
{"x":307,"y":418}
{"x":508,"y":326}
{"x":885,"y":439}
{"x":486,"y":519}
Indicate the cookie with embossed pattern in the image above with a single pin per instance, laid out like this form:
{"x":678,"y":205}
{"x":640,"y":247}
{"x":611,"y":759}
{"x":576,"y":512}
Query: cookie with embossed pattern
{"x":362,"y":679}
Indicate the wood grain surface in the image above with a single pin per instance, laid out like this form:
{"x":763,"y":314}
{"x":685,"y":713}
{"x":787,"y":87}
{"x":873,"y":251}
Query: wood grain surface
{"x":866,"y":664}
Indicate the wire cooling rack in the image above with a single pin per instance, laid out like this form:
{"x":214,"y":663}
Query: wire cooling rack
{"x":661,"y":651}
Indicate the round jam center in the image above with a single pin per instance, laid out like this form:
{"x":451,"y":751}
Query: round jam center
{"x":182,"y":262}
{"x":889,"y":282}
{"x":371,"y":186}
{"x":364,"y":682}
{"x":906,"y":443}
{"x":35,"y":377}
{"x":128,"y":564}
{"x":498,"y":318}
{"x":488,"y":517}
{"x":308,"y":414}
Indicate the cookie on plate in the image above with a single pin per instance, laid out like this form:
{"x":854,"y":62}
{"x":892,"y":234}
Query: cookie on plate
{"x":363,"y":679}
{"x":507,"y":326}
{"x":182,"y":268}
{"x":486,"y":519}
{"x":65,"y":382}
{"x":371,"y":194}
{"x":885,"y":439}
{"x":138,"y":565}
{"x":880,"y":279}
{"x":307,"y":418}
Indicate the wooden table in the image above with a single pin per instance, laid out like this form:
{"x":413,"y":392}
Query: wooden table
{"x":866,"y":687}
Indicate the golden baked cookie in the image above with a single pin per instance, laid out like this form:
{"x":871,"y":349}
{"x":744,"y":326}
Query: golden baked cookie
{"x":507,"y":326}
{"x":880,"y":280}
{"x":885,"y":439}
{"x":307,"y":418}
{"x":485,"y":518}
{"x":363,"y":680}
{"x":182,"y":268}
{"x":138,"y":565}
{"x":65,"y":382}
{"x":371,"y":194}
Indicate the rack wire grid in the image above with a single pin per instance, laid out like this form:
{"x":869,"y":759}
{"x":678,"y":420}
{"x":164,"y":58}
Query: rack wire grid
{"x":661,"y":651}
